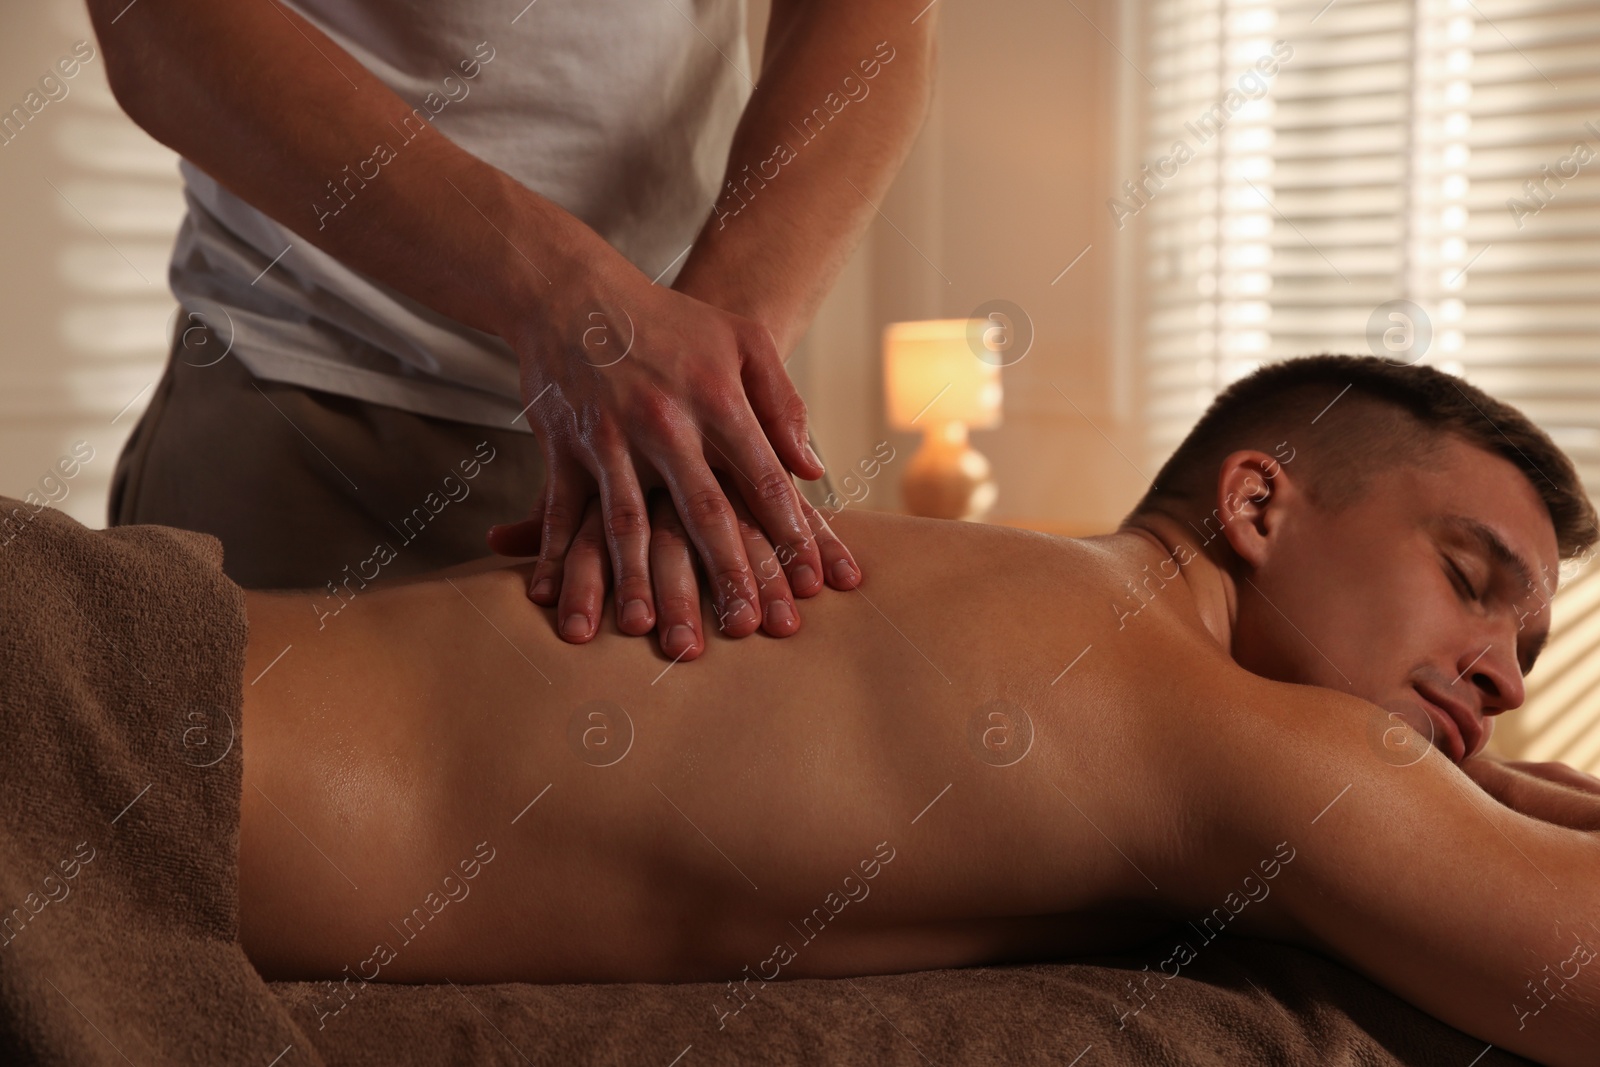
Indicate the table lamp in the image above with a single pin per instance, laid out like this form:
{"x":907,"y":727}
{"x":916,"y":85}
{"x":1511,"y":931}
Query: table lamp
{"x":937,"y":380}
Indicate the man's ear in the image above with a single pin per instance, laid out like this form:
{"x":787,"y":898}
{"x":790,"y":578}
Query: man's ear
{"x":1254,"y":493}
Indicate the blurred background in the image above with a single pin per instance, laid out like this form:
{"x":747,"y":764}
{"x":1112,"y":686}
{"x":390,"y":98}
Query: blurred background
{"x":1414,"y":178}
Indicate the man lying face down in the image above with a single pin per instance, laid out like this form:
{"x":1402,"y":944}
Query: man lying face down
{"x":1255,"y":708}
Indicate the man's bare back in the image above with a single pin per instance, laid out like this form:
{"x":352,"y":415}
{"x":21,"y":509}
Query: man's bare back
{"x":929,"y":774}
{"x":694,"y":810}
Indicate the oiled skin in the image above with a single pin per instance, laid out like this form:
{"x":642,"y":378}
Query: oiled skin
{"x":408,"y":730}
{"x":421,"y":731}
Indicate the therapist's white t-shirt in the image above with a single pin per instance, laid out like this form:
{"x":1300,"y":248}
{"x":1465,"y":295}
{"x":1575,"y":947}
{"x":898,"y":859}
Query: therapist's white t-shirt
{"x":620,"y":111}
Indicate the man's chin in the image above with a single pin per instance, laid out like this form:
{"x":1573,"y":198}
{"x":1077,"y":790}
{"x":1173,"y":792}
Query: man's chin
{"x":1416,"y":715}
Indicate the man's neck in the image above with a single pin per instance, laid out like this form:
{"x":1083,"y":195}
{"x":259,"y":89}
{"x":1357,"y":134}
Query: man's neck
{"x":1213,"y":588}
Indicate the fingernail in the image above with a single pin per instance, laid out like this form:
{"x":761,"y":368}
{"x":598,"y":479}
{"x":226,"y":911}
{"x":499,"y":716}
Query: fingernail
{"x":804,"y":576}
{"x":738,"y":611}
{"x":543,"y":587}
{"x":780,"y":616}
{"x":811,"y":453}
{"x":635,"y":611}
{"x":678,"y":639}
{"x":843,"y":573}
{"x":575,"y":626}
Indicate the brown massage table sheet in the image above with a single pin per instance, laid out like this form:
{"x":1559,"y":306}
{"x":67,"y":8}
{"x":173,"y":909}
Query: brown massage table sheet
{"x":120,"y":662}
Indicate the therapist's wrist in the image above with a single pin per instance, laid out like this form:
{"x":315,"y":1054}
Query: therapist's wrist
{"x":746,"y":297}
{"x":540,"y":263}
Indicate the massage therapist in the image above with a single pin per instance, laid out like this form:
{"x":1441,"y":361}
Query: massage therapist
{"x":566,"y":246}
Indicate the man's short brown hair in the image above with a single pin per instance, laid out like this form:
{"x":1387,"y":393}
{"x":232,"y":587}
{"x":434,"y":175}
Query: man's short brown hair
{"x":1346,"y":417}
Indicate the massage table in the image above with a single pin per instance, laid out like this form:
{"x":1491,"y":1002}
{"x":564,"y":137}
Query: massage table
{"x":121,"y":655}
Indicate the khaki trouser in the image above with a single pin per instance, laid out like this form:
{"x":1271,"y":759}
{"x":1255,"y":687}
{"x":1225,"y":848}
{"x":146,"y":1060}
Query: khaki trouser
{"x":300,"y":484}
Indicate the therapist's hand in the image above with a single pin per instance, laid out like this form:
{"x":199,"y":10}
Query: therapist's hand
{"x":673,"y":575}
{"x":631,"y":386}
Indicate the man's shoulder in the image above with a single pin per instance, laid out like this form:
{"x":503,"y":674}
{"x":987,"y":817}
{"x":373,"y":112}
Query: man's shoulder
{"x":1247,"y":760}
{"x":1255,"y":740}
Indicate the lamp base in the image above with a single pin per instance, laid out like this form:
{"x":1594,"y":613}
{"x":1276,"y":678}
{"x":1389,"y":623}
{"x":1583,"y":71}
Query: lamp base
{"x":947,"y":478}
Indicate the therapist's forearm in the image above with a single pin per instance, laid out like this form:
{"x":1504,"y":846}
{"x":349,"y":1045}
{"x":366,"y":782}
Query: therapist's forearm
{"x":275,"y":111}
{"x":804,"y":188}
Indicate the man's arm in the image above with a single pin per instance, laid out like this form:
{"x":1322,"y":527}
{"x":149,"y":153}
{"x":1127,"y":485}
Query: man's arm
{"x":1410,"y":874}
{"x":271,"y":107}
{"x":1552,"y":792}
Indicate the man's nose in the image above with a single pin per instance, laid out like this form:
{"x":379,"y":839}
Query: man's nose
{"x":1493,"y":670}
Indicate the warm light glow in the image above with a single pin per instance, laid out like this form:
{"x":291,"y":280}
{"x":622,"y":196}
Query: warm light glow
{"x":933,"y":374}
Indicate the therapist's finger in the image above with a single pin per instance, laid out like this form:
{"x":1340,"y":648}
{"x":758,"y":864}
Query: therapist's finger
{"x":772,"y":499}
{"x":626,"y":523}
{"x":778,"y":615}
{"x":584,"y":588}
{"x":713,"y":528}
{"x":837,"y":563}
{"x":568,"y":487}
{"x":776,"y":403}
{"x":519,"y":538}
{"x":672,"y":574}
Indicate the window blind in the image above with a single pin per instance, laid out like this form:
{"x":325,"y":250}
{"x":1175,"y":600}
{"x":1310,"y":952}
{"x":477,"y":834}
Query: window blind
{"x":1445,"y":153}
{"x":1531,"y":308}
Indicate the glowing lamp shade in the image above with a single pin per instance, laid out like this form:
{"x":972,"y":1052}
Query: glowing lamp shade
{"x":937,"y":380}
{"x":932,"y":375}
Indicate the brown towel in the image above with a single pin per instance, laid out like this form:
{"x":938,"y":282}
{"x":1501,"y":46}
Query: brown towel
{"x":1242,"y":1003}
{"x":120,"y":661}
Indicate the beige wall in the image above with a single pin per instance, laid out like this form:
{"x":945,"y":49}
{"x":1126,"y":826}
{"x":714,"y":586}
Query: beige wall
{"x":1005,"y":187}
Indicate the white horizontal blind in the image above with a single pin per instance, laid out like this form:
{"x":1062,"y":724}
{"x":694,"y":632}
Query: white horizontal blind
{"x":1377,"y":166}
{"x":1531,"y":319}
{"x":1304,"y":215}
{"x":1209,"y":255}
{"x":1531,"y":324}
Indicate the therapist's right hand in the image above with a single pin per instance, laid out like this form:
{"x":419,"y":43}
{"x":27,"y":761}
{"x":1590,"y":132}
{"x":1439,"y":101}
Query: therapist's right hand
{"x":630,"y":385}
